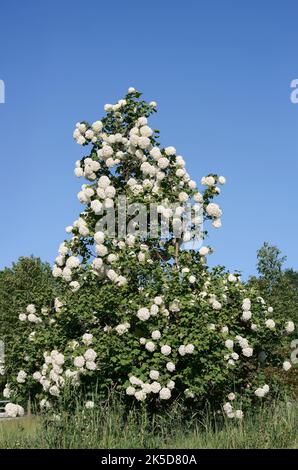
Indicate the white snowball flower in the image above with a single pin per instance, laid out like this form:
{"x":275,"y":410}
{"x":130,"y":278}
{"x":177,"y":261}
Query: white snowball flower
{"x":153,"y":104}
{"x":229,"y":344}
{"x":97,"y":263}
{"x":44,"y":404}
{"x":131,"y":89}
{"x":130,"y":390}
{"x":208,"y":181}
{"x":32,"y":318}
{"x":286,"y":366}
{"x":99,"y":237}
{"x":260,"y":392}
{"x":146,"y":131}
{"x":89,"y":405}
{"x":290,"y":327}
{"x":22,"y":317}
{"x":54,"y":390}
{"x":166,"y":350}
{"x":74,"y":285}
{"x":89,"y":355}
{"x":181,"y":350}
{"x":12,"y":410}
{"x":171,"y":384}
{"x":232,"y":278}
{"x":216,"y":305}
{"x":31,"y":309}
{"x":170,"y":366}
{"x":198,"y":197}
{"x":170,"y":151}
{"x":183,"y":196}
{"x":122,"y":328}
{"x":154,"y":309}
{"x":6,"y":392}
{"x":248,"y":352}
{"x":165,"y":393}
{"x":135,"y":381}
{"x":225,"y":329}
{"x":163,"y":163}
{"x":270,"y":309}
{"x":231,"y":396}
{"x":204,"y":250}
{"x":222,"y":180}
{"x":246,"y":304}
{"x":143,"y":314}
{"x":96,"y":206}
{"x":101,"y":250}
{"x":189,"y":348}
{"x":150,"y":346}
{"x":227,"y":407}
{"x":140,"y":395}
{"x":213,"y":210}
{"x":155,"y":387}
{"x":246,"y":315}
{"x":155,"y":153}
{"x":270,"y":324}
{"x":216,"y":223}
{"x":104,"y":181}
{"x":112,"y":275}
{"x":91,"y":365}
{"x":21,"y":377}
{"x":239,"y":414}
{"x":87,"y":338}
{"x":156,"y":334}
{"x":192,"y":279}
{"x":144,"y":142}
{"x":79,"y":361}
{"x":154,"y":375}
{"x":58,"y":359}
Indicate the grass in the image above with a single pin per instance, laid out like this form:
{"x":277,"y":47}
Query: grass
{"x":109,"y":427}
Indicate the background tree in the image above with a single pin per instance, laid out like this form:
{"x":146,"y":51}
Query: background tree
{"x":278,"y":286}
{"x":28,"y":280}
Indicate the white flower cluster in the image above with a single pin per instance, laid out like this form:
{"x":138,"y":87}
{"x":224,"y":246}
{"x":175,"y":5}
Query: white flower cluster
{"x":157,"y":306}
{"x":246,"y":309}
{"x":30,"y":315}
{"x":122,"y":328}
{"x":21,"y":377}
{"x":262,"y":391}
{"x":84,"y":134}
{"x":188,"y":349}
{"x":231,"y":413}
{"x":12,"y":410}
{"x":290,"y":327}
{"x":146,"y":388}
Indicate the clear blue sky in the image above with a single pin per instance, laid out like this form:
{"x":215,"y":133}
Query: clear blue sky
{"x":220,"y":72}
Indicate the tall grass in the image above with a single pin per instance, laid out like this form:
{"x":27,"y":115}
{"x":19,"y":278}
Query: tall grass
{"x":110,"y":426}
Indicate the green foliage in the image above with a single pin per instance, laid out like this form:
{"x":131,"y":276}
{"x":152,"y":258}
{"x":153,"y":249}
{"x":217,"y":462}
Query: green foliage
{"x":29,"y":280}
{"x":278,"y":286}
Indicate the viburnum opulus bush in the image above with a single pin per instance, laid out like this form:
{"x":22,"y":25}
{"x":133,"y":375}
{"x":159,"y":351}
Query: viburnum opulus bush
{"x":139,"y":311}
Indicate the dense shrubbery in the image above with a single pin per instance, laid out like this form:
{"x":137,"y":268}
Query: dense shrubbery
{"x":142,"y":314}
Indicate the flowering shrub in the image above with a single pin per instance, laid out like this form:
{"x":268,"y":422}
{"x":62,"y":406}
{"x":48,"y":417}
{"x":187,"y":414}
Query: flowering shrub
{"x":143,"y":314}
